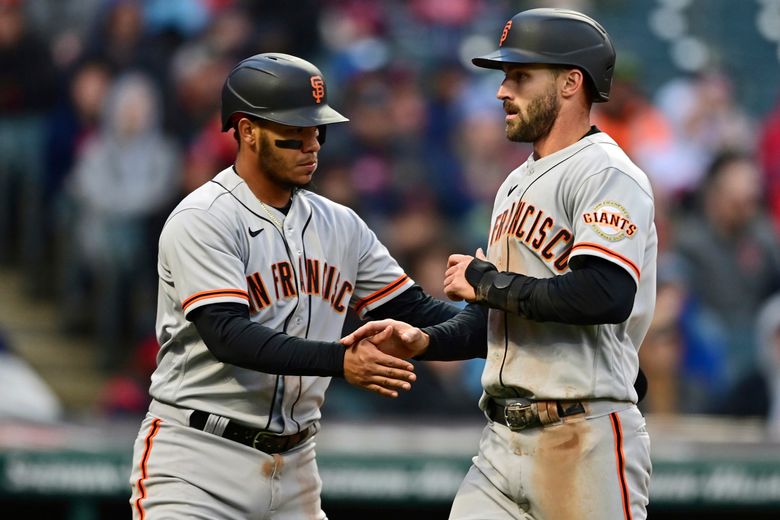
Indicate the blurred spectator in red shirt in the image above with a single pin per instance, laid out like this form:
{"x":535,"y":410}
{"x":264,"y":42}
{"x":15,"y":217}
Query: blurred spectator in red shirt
{"x":769,"y":156}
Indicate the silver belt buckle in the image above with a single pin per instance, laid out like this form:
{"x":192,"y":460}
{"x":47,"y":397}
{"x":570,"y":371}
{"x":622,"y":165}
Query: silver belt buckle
{"x":262,"y":441}
{"x":518,"y":416}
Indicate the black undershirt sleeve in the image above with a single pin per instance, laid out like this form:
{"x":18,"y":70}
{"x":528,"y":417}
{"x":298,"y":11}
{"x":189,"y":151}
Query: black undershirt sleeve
{"x":462,"y":337}
{"x":455,"y":333}
{"x":595,"y":291}
{"x":233,"y":338}
{"x":416,"y":308}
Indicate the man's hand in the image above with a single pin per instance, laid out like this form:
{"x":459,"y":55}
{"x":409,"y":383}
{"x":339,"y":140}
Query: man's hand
{"x":368,"y":367}
{"x":392,"y":337}
{"x":456,"y":287}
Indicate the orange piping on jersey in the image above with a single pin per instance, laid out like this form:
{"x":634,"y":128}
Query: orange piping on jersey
{"x":384,"y":291}
{"x":617,"y":430}
{"x":213,"y":294}
{"x":154,"y":429}
{"x":602,"y":249}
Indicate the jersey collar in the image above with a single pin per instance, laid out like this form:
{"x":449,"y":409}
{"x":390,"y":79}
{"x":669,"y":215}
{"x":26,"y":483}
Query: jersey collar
{"x":593,"y":136}
{"x":231,"y":181}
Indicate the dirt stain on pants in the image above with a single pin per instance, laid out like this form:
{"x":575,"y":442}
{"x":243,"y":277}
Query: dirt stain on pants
{"x":559,"y":490}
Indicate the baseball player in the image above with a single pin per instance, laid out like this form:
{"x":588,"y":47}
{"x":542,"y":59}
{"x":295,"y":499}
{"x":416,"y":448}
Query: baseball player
{"x":255,"y":276}
{"x":568,"y":286}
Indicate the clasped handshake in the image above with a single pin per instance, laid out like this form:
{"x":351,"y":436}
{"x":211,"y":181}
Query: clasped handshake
{"x":376,"y":354}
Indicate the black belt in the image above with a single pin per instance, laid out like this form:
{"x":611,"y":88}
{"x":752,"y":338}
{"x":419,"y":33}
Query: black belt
{"x":252,"y":437}
{"x":521,"y":415}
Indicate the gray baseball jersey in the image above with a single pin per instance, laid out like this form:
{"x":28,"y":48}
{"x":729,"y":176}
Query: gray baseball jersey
{"x":586,"y":199}
{"x":297,"y":274}
{"x":221,"y":245}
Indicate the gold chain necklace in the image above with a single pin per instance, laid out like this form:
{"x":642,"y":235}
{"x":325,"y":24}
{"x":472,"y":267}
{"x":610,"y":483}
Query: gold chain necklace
{"x":271,"y":216}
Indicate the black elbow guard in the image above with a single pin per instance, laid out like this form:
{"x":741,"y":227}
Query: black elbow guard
{"x":499,"y":290}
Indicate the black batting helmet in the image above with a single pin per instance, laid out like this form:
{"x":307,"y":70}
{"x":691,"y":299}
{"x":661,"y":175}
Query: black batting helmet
{"x":556,"y":37}
{"x":280,"y":88}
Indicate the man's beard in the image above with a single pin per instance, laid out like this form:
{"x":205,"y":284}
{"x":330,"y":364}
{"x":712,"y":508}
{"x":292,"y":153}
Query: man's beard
{"x":542,"y":113}
{"x":273,"y":166}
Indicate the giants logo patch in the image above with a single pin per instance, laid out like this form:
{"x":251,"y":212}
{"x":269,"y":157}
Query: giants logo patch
{"x":505,"y":33}
{"x":611,"y":221}
{"x":318,"y":88}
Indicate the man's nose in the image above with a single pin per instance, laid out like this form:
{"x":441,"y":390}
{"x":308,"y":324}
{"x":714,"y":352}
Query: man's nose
{"x":311,"y":144}
{"x":503,"y":92}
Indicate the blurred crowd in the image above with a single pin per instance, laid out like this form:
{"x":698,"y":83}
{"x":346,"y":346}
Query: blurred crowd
{"x":109,"y":115}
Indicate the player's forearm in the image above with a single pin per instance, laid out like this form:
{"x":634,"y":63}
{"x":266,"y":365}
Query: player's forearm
{"x":452,"y":333}
{"x":464,"y":336}
{"x":598,"y":292}
{"x":416,"y":308}
{"x":234,"y":339}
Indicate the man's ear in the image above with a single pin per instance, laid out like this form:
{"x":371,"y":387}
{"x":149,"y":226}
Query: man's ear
{"x":573,"y":81}
{"x":246,"y":132}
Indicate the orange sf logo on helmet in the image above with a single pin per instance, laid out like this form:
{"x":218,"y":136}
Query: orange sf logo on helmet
{"x":318,"y":88}
{"x":505,"y":32}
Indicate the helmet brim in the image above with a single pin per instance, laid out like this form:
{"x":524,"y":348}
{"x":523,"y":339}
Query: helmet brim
{"x":302,"y":116}
{"x":497,"y":59}
{"x":305,"y":117}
